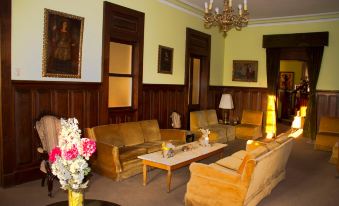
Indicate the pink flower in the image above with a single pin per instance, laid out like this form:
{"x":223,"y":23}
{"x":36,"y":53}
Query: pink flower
{"x":54,"y":153}
{"x":71,"y":154}
{"x":88,"y":147}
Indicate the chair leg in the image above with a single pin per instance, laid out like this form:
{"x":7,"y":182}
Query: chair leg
{"x":50,"y":179}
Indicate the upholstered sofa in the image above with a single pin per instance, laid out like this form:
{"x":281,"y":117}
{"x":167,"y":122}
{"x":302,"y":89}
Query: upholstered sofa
{"x":250,"y":126}
{"x":119,"y":145}
{"x":244,"y":178}
{"x":328,"y":133}
{"x":207,"y":119}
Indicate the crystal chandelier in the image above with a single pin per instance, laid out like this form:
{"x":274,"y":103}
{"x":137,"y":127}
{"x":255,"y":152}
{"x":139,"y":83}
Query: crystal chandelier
{"x":227,"y":19}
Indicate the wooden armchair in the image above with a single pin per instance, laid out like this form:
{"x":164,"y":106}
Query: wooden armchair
{"x":48,"y":128}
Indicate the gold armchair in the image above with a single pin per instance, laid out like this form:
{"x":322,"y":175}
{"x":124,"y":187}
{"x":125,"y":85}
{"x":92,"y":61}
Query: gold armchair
{"x":251,"y":125}
{"x":48,"y":128}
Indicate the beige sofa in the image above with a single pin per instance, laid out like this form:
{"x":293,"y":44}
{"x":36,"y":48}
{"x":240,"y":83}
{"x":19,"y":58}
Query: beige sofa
{"x":244,"y":178}
{"x":119,"y":145}
{"x":328,"y":133}
{"x":207,"y":119}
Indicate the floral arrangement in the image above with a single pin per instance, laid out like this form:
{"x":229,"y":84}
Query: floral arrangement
{"x":204,"y":140}
{"x":69,"y":158}
{"x":167,"y":149}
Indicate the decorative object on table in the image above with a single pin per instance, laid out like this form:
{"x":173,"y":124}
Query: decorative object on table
{"x":165,"y":60}
{"x":226,"y":103}
{"x":286,"y":80}
{"x":245,"y":71}
{"x":62,"y":45}
{"x":226,"y":19}
{"x":167,"y":149}
{"x":69,"y":160}
{"x":204,"y":139}
{"x":176,"y":122}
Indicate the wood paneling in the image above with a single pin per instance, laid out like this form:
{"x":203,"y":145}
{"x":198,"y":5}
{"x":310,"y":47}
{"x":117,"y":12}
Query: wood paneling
{"x":32,"y":100}
{"x":159,"y":101}
{"x":243,"y":98}
{"x":327,"y":104}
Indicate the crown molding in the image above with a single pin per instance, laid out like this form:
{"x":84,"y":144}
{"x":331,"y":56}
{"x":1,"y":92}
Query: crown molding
{"x":193,"y":10}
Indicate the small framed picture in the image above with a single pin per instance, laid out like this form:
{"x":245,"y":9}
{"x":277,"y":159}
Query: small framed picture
{"x":165,"y":60}
{"x":286,"y":80}
{"x":62,"y":45}
{"x":245,"y":71}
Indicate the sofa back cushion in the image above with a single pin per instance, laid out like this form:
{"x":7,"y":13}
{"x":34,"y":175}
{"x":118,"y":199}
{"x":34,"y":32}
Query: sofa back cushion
{"x":329,"y":124}
{"x":251,"y":117}
{"x":198,"y":120}
{"x":107,"y":133}
{"x":150,"y":130}
{"x":131,"y":133}
{"x":211,"y":115}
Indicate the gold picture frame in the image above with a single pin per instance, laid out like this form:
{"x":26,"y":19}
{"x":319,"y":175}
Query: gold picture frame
{"x":62,"y":45}
{"x":245,"y":71}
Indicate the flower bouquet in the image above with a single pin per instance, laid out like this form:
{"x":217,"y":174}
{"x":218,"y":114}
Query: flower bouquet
{"x":69,"y":160}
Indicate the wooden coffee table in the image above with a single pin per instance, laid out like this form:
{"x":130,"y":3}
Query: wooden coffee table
{"x":179,"y":160}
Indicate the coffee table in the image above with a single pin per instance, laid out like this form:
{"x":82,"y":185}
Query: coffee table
{"x":179,"y":160}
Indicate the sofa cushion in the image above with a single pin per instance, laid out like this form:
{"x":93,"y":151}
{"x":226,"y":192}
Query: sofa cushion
{"x":240,"y":154}
{"x":211,"y":115}
{"x":131,"y":152}
{"x":131,"y":133}
{"x":258,"y":151}
{"x":272,"y":145}
{"x":151,"y":146}
{"x":282,"y":138}
{"x":329,"y":124}
{"x":150,"y":130}
{"x":230,"y":162}
{"x":198,"y":120}
{"x":108,"y":134}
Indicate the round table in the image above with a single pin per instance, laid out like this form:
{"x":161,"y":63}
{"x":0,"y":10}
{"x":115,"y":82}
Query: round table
{"x":86,"y":203}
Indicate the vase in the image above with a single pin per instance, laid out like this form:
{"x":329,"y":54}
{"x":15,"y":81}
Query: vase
{"x":75,"y":198}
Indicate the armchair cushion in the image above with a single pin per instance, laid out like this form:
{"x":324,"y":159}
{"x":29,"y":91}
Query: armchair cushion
{"x":131,"y":133}
{"x":248,"y":131}
{"x":328,"y":133}
{"x":252,"y":117}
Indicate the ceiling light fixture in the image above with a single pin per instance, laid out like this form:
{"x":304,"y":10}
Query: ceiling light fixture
{"x":227,"y":19}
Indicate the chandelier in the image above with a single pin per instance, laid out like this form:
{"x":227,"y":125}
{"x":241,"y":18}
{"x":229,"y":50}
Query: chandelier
{"x":227,"y":19}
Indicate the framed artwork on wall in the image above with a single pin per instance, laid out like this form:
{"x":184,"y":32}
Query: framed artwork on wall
{"x":165,"y":60}
{"x":245,"y":71}
{"x":286,"y":80}
{"x":62,"y":45}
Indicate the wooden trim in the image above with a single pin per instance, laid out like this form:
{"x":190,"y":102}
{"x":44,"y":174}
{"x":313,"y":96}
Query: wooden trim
{"x":120,"y":75}
{"x":327,"y":91}
{"x":314,"y":39}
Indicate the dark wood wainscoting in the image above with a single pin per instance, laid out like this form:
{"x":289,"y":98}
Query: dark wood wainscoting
{"x":159,"y":101}
{"x":243,"y":98}
{"x":31,"y":100}
{"x":327,"y":104}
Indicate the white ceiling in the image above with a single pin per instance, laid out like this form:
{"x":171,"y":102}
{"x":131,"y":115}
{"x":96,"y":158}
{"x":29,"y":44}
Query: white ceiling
{"x":277,"y":8}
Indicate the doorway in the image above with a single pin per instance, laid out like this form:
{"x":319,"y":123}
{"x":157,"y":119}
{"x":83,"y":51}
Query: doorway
{"x":197,"y":71}
{"x":292,"y":89}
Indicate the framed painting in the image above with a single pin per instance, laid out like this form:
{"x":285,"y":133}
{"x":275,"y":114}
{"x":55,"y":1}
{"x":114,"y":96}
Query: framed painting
{"x":245,"y":71}
{"x":286,"y":80}
{"x":165,"y":60}
{"x":62,"y":45}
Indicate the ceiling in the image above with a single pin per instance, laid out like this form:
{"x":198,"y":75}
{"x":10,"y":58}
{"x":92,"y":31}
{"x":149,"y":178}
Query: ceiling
{"x":276,"y":8}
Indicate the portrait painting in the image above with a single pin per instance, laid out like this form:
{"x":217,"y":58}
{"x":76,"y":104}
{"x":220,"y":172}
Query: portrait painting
{"x":165,"y":60}
{"x":245,"y":71}
{"x":286,"y":80}
{"x":62,"y":45}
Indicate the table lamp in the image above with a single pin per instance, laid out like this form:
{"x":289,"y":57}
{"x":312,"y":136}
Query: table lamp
{"x":226,"y":103}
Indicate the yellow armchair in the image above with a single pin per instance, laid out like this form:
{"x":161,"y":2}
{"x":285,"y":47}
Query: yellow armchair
{"x":328,"y":133}
{"x":251,"y":125}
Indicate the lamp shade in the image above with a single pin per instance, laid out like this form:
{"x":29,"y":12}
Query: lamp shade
{"x":226,"y":102}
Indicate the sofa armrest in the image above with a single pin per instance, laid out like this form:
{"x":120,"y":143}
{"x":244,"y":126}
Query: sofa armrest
{"x":108,"y":155}
{"x":173,"y":134}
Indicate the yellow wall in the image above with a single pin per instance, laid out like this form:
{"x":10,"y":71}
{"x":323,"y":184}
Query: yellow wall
{"x":164,"y":25}
{"x":247,"y":45}
{"x":292,"y":66}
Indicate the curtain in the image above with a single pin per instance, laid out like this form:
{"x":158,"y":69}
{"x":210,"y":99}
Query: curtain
{"x":315,"y":55}
{"x":272,"y":70}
